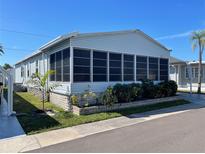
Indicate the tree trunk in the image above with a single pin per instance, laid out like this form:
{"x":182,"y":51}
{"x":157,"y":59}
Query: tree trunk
{"x":200,"y":70}
{"x":43,"y":99}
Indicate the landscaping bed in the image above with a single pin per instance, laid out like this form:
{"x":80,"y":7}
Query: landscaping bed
{"x":25,"y":104}
{"x":119,"y":106}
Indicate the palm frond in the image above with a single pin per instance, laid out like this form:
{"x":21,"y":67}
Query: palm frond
{"x":1,"y":50}
{"x":47,"y":74}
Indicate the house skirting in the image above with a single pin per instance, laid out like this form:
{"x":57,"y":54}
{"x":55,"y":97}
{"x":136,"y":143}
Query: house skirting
{"x":60,"y":100}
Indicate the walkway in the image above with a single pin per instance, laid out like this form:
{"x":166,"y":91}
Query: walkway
{"x":195,"y":98}
{"x":9,"y":125}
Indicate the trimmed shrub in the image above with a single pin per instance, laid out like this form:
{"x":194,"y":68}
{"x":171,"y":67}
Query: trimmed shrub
{"x":108,"y":98}
{"x":167,"y":89}
{"x":149,"y":90}
{"x":135,"y":91}
{"x":173,"y":86}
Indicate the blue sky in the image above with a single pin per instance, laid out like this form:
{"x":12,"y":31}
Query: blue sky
{"x":170,"y":22}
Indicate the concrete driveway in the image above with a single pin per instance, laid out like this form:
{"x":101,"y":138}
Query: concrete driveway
{"x":184,"y":132}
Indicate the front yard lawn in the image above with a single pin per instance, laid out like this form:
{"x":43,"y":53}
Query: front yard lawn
{"x":27,"y":104}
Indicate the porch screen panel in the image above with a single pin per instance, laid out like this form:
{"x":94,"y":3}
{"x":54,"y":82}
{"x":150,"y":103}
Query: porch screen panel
{"x":52,"y":66}
{"x":81,"y":65}
{"x":128,"y":68}
{"x":66,"y":65}
{"x":59,"y":66}
{"x":153,"y":68}
{"x":164,"y":69}
{"x":115,"y":67}
{"x":141,"y":67}
{"x":99,"y":66}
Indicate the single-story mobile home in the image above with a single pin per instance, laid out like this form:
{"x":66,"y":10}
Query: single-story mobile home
{"x":186,"y":72}
{"x":94,"y":61}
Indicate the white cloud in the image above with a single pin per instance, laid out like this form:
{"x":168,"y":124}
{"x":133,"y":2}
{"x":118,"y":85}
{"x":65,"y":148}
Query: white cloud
{"x":180,"y":35}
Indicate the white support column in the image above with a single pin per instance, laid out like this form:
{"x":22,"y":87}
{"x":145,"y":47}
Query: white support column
{"x":147,"y":67}
{"x":179,"y":74}
{"x":91,"y":65}
{"x":135,"y":67}
{"x":158,"y":69}
{"x":71,"y":64}
{"x":108,"y":67}
{"x":122,"y":65}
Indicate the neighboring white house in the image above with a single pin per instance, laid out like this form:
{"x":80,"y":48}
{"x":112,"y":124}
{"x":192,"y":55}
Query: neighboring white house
{"x":186,"y":72}
{"x":96,"y":60}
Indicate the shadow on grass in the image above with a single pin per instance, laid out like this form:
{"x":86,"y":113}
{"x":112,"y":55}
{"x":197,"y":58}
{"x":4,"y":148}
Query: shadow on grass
{"x":29,"y":121}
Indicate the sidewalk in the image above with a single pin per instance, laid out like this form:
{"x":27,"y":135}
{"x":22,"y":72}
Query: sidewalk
{"x":26,"y":143}
{"x":9,"y":126}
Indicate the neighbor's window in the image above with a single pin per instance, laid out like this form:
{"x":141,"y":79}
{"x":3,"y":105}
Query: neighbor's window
{"x":153,"y":68}
{"x":164,"y":69}
{"x":187,"y":72}
{"x":99,"y":66}
{"x":196,"y":73}
{"x":81,"y":65}
{"x":36,"y":66}
{"x":128,"y":68}
{"x":28,"y":70}
{"x":22,"y":71}
{"x":141,"y":68}
{"x":115,"y":67}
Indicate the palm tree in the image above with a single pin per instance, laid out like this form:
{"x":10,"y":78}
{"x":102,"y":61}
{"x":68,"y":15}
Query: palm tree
{"x":198,"y":41}
{"x":39,"y":81}
{"x":1,"y":50}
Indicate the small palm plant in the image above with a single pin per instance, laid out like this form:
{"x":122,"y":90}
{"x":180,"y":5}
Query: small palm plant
{"x":1,"y":50}
{"x":39,"y":81}
{"x":198,"y":41}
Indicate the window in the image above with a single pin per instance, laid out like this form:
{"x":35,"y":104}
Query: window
{"x":58,"y":66}
{"x":128,"y":68}
{"x":52,"y":66}
{"x":195,"y":72}
{"x":153,"y":68}
{"x":66,"y":65}
{"x":22,"y":71}
{"x":36,"y":66}
{"x":99,"y":66}
{"x":81,"y":65}
{"x":187,"y":72}
{"x":60,"y":63}
{"x":28,"y":71}
{"x":163,"y":69}
{"x":141,"y":68}
{"x":115,"y":67}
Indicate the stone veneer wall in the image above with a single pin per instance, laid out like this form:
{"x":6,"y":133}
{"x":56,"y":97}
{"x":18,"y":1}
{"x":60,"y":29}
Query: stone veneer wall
{"x":117,"y":106}
{"x":60,"y":100}
{"x":36,"y":92}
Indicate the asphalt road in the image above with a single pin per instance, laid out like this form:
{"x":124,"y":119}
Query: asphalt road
{"x":184,"y":132}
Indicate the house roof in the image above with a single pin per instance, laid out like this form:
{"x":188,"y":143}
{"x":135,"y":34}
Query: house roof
{"x":174,"y":60}
{"x":77,"y":34}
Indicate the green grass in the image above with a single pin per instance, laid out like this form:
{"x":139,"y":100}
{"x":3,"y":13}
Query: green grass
{"x":27,"y":103}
